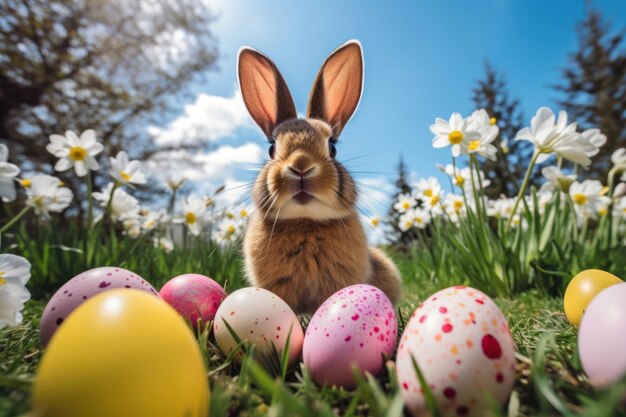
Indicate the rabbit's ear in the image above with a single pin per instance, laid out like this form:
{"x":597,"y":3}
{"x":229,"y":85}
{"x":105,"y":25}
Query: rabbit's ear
{"x":338,"y":86}
{"x":264,"y":90}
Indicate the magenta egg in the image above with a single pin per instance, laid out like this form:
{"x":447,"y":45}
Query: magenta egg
{"x":194,"y":296}
{"x":356,"y":326}
{"x":82,"y":287}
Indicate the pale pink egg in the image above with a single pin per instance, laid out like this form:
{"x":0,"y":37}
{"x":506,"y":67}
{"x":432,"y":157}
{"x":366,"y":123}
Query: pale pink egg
{"x":261,"y":318}
{"x":82,"y":287}
{"x":194,"y":296}
{"x":354,"y":327}
{"x":463,"y":346}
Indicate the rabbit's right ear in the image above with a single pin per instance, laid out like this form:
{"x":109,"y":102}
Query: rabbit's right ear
{"x":264,"y":90}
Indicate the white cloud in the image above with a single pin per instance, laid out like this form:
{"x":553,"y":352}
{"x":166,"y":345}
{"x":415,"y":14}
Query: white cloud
{"x":209,"y":119}
{"x":213,"y":166}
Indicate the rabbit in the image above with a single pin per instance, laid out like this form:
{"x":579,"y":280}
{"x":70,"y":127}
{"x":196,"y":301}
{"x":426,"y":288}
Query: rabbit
{"x":305,"y":240}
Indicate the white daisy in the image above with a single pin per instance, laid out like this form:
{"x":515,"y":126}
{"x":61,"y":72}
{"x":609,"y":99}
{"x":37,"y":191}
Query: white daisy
{"x":619,"y":208}
{"x":481,"y":122}
{"x":462,"y":177}
{"x":454,"y":205}
{"x":46,"y":194}
{"x":421,"y":218}
{"x":551,"y":135}
{"x":405,"y":222}
{"x":588,"y":197}
{"x":557,"y":180}
{"x":125,"y":171}
{"x":8,"y":172}
{"x":14,"y":274}
{"x":405,"y":202}
{"x":228,"y":231}
{"x":501,"y":208}
{"x":123,"y":206}
{"x":194,"y":210}
{"x":154,"y":219}
{"x":174,"y":182}
{"x":454,"y":132}
{"x":619,"y":157}
{"x":427,"y":188}
{"x":163,"y":243}
{"x":75,"y":152}
{"x":374,"y":221}
{"x":593,"y":139}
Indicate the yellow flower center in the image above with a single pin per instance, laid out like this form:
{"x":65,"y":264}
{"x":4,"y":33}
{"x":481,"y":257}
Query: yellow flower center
{"x":230,"y":215}
{"x":61,"y":184}
{"x":78,"y":153}
{"x":474,"y":145}
{"x":2,"y":280}
{"x":434,"y":200}
{"x":231,"y":230}
{"x":579,"y":199}
{"x":406,"y":205}
{"x":428,"y":193}
{"x":604,"y":190}
{"x":458,"y":205}
{"x":190,"y":218}
{"x":124,"y":175}
{"x":25,"y":182}
{"x":244,"y":213}
{"x":455,"y":137}
{"x":492,"y":121}
{"x":149,"y":224}
{"x":602,"y":212}
{"x":375,"y":222}
{"x":408,"y":224}
{"x":419,"y":220}
{"x":460,"y":180}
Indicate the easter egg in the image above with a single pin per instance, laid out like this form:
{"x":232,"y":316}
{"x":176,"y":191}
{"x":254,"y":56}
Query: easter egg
{"x":82,"y":287}
{"x":354,"y":327}
{"x":122,"y":353}
{"x":194,"y":296}
{"x":463,"y":346}
{"x":601,"y":338}
{"x":261,"y":318}
{"x":581,"y":290}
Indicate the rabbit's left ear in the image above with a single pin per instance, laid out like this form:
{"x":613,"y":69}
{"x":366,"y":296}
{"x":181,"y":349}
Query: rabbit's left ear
{"x":337,"y":88}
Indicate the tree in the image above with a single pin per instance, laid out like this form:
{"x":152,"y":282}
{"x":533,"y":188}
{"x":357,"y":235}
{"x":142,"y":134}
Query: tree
{"x":107,"y":65}
{"x":491,"y":93}
{"x":395,"y":235}
{"x":594,"y":87}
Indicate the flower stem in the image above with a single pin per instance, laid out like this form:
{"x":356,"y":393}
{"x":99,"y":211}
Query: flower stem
{"x":523,"y":188}
{"x":89,"y":199}
{"x":110,"y":202}
{"x":15,"y":219}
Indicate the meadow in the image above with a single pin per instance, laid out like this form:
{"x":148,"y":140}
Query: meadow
{"x":521,"y":251}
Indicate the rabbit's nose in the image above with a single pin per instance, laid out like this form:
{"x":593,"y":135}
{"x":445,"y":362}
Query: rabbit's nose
{"x":300,"y":173}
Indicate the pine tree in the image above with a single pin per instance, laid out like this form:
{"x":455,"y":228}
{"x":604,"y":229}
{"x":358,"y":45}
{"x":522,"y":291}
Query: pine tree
{"x":491,"y":93}
{"x":594,"y":87}
{"x":395,"y":235}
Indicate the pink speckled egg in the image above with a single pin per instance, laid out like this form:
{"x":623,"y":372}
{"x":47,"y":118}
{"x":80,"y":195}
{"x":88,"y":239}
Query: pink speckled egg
{"x":260,"y":317}
{"x":463,"y":346}
{"x":354,"y":327}
{"x":82,"y":287}
{"x":194,"y":296}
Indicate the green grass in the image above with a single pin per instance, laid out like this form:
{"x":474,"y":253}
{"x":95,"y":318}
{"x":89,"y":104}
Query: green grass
{"x":549,"y":377}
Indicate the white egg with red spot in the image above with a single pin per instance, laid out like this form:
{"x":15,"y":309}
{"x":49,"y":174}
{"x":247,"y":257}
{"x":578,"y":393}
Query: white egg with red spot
{"x":463,"y":346}
{"x":357,"y":327}
{"x":261,"y":318}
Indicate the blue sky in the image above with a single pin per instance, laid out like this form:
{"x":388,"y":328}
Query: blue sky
{"x":422,"y":59}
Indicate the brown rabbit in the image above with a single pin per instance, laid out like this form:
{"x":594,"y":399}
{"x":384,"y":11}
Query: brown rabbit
{"x":305,"y":240}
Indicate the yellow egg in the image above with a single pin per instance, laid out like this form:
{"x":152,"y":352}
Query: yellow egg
{"x":581,"y":290}
{"x":123,"y":353}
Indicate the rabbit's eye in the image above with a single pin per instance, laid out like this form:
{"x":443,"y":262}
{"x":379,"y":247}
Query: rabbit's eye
{"x":271,"y":151}
{"x":332,"y":149}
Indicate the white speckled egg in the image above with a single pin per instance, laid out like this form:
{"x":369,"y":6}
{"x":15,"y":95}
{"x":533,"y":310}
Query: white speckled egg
{"x":463,"y":346}
{"x":354,"y":327}
{"x":260,"y":317}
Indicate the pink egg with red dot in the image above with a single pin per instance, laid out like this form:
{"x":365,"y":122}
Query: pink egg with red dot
{"x":354,"y":327}
{"x":193,"y":296}
{"x":463,"y":346}
{"x":82,"y":287}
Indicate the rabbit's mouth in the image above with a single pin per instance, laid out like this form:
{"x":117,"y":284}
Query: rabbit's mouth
{"x":303,"y":197}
